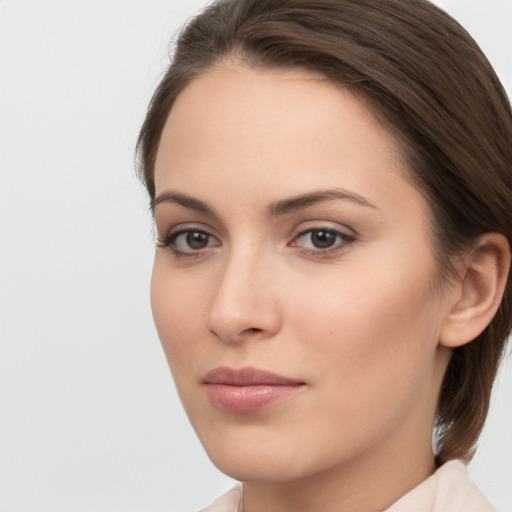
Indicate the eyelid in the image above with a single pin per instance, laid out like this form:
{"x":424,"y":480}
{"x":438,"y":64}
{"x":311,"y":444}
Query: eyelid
{"x":169,"y":228}
{"x":327,"y":225}
{"x":338,"y":232}
{"x":348,"y":237}
{"x":171,"y":234}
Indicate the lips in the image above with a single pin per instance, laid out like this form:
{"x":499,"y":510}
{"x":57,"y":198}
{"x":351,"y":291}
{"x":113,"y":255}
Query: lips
{"x":248,"y":389}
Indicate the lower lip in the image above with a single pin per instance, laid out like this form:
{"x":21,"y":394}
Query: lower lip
{"x":249,"y":398}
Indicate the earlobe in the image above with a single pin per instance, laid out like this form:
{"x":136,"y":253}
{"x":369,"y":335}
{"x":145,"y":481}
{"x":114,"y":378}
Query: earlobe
{"x":480,"y":290}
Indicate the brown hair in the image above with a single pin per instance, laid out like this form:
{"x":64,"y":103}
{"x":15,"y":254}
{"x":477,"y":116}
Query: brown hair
{"x":427,"y":80}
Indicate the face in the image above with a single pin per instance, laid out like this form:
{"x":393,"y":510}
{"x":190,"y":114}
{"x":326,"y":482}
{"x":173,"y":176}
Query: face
{"x":292,"y":285}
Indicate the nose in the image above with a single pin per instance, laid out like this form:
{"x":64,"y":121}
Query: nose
{"x":244,"y":304}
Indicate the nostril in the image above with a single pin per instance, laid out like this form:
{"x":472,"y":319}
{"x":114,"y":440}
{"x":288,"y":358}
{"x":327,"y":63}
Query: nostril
{"x":253,"y":330}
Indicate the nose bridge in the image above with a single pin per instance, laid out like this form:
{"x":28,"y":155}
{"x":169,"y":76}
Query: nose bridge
{"x":243,"y":304}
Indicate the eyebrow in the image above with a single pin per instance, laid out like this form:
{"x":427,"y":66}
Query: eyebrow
{"x":306,"y":200}
{"x":183,"y":200}
{"x":276,"y":209}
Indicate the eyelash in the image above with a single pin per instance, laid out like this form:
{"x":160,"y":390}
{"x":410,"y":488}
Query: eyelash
{"x":170,"y":239}
{"x":345,"y":240}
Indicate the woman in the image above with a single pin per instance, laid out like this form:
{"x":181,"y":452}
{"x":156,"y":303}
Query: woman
{"x":331,"y":183}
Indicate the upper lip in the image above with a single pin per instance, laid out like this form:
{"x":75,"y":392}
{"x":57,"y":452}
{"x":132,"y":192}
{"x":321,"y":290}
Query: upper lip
{"x":246,"y":376}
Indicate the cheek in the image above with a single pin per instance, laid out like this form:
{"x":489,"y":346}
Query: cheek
{"x":370,"y":343}
{"x":369,"y":329}
{"x":177,"y":315}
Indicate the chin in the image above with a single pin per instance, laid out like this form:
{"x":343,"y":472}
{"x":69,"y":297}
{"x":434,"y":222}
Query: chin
{"x":256,"y":454}
{"x":257,"y":467}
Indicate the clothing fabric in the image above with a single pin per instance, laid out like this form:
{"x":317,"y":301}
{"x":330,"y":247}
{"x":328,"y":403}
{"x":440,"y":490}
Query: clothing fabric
{"x":449,"y":489}
{"x":229,"y":502}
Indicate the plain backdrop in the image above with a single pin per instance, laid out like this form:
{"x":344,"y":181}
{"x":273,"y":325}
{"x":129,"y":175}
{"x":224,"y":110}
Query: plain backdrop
{"x":89,"y":419}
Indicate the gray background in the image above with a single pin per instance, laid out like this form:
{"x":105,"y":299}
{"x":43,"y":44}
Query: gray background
{"x":89,"y":419}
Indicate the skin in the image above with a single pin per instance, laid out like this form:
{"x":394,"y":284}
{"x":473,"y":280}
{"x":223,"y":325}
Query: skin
{"x":359,"y":322}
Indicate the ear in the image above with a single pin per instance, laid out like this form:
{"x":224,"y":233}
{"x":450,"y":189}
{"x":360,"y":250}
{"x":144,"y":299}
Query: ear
{"x":483,"y":274}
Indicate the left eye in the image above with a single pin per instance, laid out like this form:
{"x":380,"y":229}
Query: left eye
{"x":321,"y":239}
{"x":192,"y":241}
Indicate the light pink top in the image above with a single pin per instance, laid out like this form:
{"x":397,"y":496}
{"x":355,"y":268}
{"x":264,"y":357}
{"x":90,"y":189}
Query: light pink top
{"x":449,"y":489}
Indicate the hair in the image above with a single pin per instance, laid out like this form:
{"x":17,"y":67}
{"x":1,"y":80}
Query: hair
{"x":422,"y":76}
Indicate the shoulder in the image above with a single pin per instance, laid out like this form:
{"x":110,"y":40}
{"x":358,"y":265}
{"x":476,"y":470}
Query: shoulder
{"x":228,"y":502}
{"x":449,"y":489}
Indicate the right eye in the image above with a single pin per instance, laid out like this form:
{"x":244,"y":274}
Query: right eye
{"x":189,"y":242}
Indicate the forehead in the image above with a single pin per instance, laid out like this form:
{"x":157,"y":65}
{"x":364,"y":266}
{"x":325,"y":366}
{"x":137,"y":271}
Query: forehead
{"x":275,"y":130}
